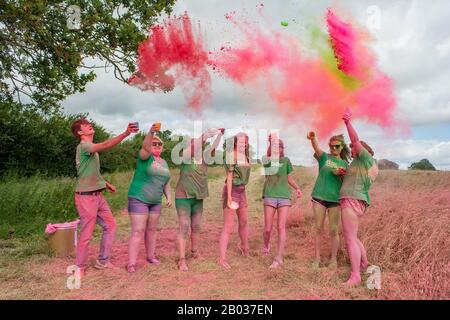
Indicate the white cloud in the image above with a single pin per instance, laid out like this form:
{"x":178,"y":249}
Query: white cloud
{"x":413,"y":44}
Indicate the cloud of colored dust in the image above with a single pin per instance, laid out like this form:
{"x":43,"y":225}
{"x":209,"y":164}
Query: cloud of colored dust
{"x":174,"y":54}
{"x":316,"y":88}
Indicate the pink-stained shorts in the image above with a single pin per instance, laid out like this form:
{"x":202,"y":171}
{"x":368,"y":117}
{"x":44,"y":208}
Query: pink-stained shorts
{"x":237,"y":194}
{"x":359,"y":206}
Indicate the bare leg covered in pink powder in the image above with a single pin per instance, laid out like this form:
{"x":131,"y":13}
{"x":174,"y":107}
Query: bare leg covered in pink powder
{"x":355,"y":248}
{"x":352,"y":209}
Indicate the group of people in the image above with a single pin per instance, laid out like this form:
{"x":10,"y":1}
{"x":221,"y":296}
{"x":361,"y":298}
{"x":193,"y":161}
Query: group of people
{"x":341,"y":189}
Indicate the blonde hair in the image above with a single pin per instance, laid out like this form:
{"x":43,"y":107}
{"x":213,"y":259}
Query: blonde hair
{"x":345,"y":152}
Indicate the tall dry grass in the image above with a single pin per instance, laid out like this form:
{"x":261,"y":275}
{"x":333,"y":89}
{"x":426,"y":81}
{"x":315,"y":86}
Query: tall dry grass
{"x":406,"y":232}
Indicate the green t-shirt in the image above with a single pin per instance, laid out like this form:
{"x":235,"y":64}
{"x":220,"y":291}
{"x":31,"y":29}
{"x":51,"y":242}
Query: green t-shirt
{"x":193,"y":181}
{"x":241,"y":173}
{"x":149,"y":180}
{"x":88,"y":169}
{"x":328,"y":185}
{"x":361,"y":173}
{"x":276,"y":182}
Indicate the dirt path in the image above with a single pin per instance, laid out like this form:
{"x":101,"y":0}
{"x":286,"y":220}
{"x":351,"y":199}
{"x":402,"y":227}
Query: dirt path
{"x":42,"y":277}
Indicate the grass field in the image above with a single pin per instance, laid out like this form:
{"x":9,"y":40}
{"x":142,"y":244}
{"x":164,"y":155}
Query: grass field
{"x":406,"y":232}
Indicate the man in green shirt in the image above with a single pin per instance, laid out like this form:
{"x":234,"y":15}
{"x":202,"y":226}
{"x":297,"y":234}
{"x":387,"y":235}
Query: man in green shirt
{"x":91,"y":205}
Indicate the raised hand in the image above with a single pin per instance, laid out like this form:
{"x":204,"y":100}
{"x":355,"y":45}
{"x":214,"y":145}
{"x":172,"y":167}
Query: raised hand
{"x":155,"y":127}
{"x":347,"y":116}
{"x":132,"y":128}
{"x":311,"y":135}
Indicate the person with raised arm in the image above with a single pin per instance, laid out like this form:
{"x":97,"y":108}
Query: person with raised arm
{"x":354,"y":198}
{"x":90,"y":203}
{"x":325,"y":194}
{"x":191,"y":190}
{"x":150,"y":182}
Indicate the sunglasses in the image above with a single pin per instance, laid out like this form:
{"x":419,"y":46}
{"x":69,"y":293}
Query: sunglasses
{"x":335,"y":146}
{"x":157,"y":144}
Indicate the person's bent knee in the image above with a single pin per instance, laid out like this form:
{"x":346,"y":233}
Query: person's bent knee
{"x":138,"y":232}
{"x":318,"y":230}
{"x":195,"y":227}
{"x":184,"y":229}
{"x":281,"y":229}
{"x":243,"y":223}
{"x":228,"y":229}
{"x":334,"y":232}
{"x":112,"y":226}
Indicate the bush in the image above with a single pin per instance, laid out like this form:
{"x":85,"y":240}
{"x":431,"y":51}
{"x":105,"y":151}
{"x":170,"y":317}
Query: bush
{"x":423,"y":164}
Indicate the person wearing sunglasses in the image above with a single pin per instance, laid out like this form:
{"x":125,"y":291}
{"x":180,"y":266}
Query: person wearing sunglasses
{"x":150,"y":182}
{"x":354,"y":198}
{"x":191,"y":190}
{"x":325,"y":194}
{"x":237,"y":167}
{"x":277,"y":196}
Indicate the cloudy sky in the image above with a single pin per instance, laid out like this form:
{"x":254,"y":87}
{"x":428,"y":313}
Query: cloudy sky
{"x":412,"y":42}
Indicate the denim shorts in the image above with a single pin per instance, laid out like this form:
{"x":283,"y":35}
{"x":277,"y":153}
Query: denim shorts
{"x":237,"y":194}
{"x":136,"y":206}
{"x":277,"y":202}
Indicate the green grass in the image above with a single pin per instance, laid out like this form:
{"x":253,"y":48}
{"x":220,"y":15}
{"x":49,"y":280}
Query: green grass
{"x":29,"y":204}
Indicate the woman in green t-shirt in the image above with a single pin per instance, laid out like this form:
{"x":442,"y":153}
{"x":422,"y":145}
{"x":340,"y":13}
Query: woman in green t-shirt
{"x":237,"y":166}
{"x":150,"y":182}
{"x":354,"y":198}
{"x":325,"y":195}
{"x":191,"y":189}
{"x":277,"y":196}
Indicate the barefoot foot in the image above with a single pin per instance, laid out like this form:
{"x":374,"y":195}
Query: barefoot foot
{"x":244,"y":250}
{"x":182,"y":266}
{"x":224,"y":264}
{"x":277,"y":263}
{"x":354,"y":280}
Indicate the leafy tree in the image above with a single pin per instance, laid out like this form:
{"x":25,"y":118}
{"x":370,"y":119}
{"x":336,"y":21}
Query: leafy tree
{"x":423,"y":164}
{"x":44,"y":57}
